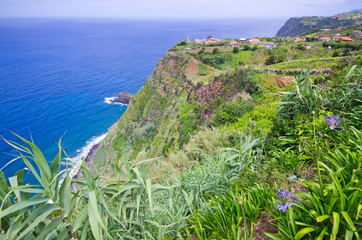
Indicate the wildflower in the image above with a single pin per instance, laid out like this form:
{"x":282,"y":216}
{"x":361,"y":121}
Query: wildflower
{"x":332,"y":122}
{"x":319,"y":134}
{"x":206,"y":205}
{"x":285,"y":199}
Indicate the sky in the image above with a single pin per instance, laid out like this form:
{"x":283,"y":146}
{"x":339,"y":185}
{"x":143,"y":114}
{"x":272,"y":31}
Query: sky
{"x":175,"y":9}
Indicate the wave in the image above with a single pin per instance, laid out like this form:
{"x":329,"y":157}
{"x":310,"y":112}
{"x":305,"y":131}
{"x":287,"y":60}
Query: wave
{"x":110,"y":100}
{"x":84,"y":152}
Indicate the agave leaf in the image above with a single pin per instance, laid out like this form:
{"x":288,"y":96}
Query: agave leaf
{"x":303,"y":232}
{"x":49,"y":229}
{"x":273,"y":236}
{"x":321,"y":235}
{"x":85,"y":231}
{"x":14,"y":183}
{"x":350,"y":223}
{"x":94,"y":212}
{"x":322,"y":218}
{"x":335,"y":227}
{"x":22,"y":205}
{"x":39,"y":159}
{"x":80,"y":217}
{"x":149,"y":193}
{"x":45,"y":210}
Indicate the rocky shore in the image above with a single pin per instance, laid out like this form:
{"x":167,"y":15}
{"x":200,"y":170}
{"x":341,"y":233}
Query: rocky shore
{"x":123,"y":98}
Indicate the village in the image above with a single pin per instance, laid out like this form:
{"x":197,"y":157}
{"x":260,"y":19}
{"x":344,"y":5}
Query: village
{"x":323,"y":50}
{"x":270,"y":44}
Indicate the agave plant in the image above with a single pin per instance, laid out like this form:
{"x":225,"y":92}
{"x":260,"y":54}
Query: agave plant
{"x":61,"y":207}
{"x":303,"y":96}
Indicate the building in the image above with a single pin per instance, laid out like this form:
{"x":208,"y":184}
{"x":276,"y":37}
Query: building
{"x":233,"y":43}
{"x":308,"y":46}
{"x":254,"y":41}
{"x":337,"y":37}
{"x":357,"y":32}
{"x":213,"y":40}
{"x":347,"y":39}
{"x":298,"y":39}
{"x":271,"y":45}
{"x":324,"y":39}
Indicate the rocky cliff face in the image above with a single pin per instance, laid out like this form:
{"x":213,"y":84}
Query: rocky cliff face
{"x":173,"y":103}
{"x":297,"y":26}
{"x":123,"y":97}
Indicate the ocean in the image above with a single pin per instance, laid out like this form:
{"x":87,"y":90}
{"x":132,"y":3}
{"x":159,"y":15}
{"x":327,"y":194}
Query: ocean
{"x":56,"y":73}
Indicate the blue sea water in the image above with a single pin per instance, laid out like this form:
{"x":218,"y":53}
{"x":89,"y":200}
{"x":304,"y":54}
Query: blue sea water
{"x":55,"y":73}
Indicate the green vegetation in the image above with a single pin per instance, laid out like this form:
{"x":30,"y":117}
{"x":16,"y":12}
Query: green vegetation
{"x":306,"y":25}
{"x":230,"y":189}
{"x":211,"y":148}
{"x":314,"y":63}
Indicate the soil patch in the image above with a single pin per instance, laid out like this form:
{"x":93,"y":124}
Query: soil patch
{"x":284,"y":81}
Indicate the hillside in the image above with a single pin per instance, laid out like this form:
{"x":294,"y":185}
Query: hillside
{"x":298,"y":25}
{"x":226,"y":140}
{"x":195,"y":86}
{"x":179,"y":98}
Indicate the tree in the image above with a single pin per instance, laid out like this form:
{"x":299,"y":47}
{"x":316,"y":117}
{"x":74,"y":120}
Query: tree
{"x":247,"y":47}
{"x":182,"y":43}
{"x":202,"y":51}
{"x":215,"y":51}
{"x":311,"y":39}
{"x":300,"y":47}
{"x":236,"y":50}
{"x":346,"y":51}
{"x":271,"y":60}
{"x":336,"y":53}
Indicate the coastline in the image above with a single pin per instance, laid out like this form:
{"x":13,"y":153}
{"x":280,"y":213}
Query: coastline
{"x":87,"y":153}
{"x":88,"y":160}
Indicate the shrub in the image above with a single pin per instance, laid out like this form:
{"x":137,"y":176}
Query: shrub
{"x":215,"y":51}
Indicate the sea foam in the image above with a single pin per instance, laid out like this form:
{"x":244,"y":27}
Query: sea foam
{"x":110,"y":100}
{"x":83,"y":153}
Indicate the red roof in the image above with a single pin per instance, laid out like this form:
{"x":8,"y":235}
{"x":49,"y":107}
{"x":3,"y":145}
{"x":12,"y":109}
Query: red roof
{"x":254,"y":40}
{"x":298,"y":39}
{"x":347,"y":39}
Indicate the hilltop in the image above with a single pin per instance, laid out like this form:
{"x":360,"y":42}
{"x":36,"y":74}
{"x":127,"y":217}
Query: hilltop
{"x":298,"y":25}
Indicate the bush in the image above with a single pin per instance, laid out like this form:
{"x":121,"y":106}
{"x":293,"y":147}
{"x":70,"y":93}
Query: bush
{"x":182,"y":43}
{"x":215,"y":51}
{"x":236,"y":49}
{"x":271,"y":60}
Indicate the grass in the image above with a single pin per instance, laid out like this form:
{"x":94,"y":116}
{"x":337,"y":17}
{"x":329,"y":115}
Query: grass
{"x":316,"y":63}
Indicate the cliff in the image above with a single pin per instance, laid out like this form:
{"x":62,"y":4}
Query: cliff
{"x":172,"y":104}
{"x":299,"y":25}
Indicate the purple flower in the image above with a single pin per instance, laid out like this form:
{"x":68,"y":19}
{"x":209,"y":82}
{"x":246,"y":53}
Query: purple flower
{"x":206,"y":205}
{"x":319,"y":134}
{"x":332,"y":122}
{"x":285,"y":199}
{"x":282,"y":207}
